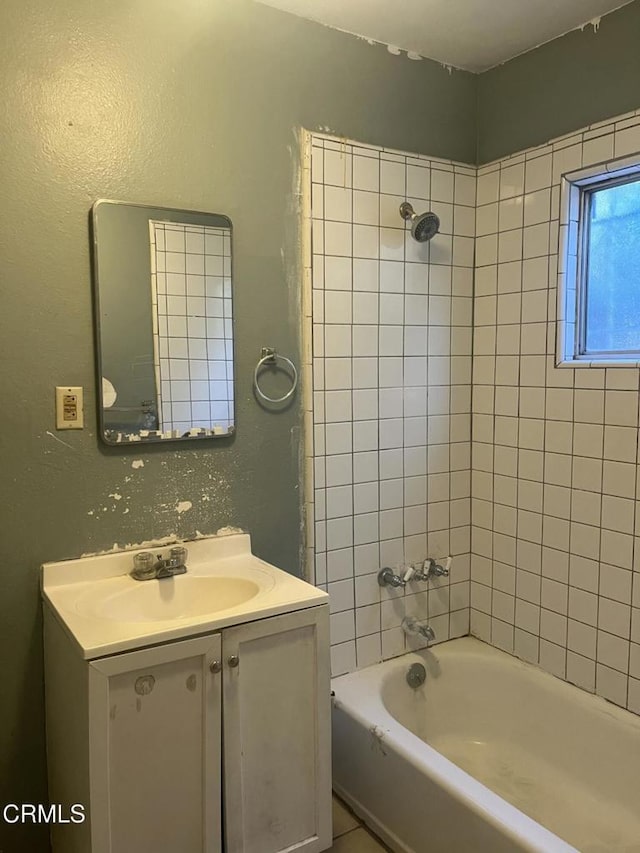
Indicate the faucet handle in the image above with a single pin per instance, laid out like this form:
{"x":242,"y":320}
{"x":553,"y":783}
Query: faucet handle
{"x":144,"y":564}
{"x":387,"y":577}
{"x":178,"y":554}
{"x":432,"y":569}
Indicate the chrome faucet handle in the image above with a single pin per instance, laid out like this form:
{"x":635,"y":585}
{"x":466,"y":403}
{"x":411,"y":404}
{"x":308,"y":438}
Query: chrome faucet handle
{"x":387,"y":577}
{"x":418,"y":572}
{"x":434,"y":570}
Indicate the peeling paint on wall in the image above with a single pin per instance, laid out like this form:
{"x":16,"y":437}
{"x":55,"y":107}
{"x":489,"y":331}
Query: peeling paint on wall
{"x":594,"y":22}
{"x":137,"y":463}
{"x":163,"y":542}
{"x":183,"y":506}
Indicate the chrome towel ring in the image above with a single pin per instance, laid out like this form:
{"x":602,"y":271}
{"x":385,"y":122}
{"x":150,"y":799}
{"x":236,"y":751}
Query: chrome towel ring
{"x":269,"y":356}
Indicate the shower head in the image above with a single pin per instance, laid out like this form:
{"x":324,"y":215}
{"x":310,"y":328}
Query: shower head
{"x":424,"y":226}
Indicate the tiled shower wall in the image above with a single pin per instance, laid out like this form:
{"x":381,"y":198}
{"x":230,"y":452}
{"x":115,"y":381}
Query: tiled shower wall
{"x":555,"y":451}
{"x":193,"y":326}
{"x":388,"y":419}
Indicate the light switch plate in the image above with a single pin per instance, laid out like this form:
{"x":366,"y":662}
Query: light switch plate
{"x":69,"y":407}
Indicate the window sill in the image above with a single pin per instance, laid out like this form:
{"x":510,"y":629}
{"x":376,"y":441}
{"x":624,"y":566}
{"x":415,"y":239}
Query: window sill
{"x":597,"y":362}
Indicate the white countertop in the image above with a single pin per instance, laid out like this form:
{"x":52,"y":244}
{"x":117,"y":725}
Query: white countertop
{"x":71,"y":588}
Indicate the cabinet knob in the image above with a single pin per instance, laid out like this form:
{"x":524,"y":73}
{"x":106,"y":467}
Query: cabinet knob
{"x":215,"y":666}
{"x":233,"y":660}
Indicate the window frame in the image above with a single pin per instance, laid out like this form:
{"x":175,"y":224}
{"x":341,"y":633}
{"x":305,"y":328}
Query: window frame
{"x":577,"y":191}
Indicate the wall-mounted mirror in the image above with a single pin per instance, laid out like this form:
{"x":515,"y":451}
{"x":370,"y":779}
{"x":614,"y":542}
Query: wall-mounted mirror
{"x":164,"y":323}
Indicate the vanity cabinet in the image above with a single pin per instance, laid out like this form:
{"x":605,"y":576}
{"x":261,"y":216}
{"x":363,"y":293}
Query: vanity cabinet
{"x":215,"y":743}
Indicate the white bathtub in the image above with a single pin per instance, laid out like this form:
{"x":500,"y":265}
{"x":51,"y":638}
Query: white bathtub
{"x":490,"y":754}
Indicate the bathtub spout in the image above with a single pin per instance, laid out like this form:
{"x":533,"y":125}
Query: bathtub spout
{"x":418,"y":628}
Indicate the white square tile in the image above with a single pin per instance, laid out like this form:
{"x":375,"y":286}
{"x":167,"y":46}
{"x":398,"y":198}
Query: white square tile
{"x":581,"y":671}
{"x":537,"y":207}
{"x":511,"y":181}
{"x":366,"y":173}
{"x":341,"y":595}
{"x":365,"y":528}
{"x":597,"y":150}
{"x":418,"y":182}
{"x":337,"y":168}
{"x":465,"y":190}
{"x":339,"y":501}
{"x":488,"y":187}
{"x":365,"y":467}
{"x":392,"y":178}
{"x":511,"y":212}
{"x":337,"y":340}
{"x":365,"y":274}
{"x":337,"y":406}
{"x":365,"y":404}
{"x":342,"y":627}
{"x":392,"y":244}
{"x":337,"y":238}
{"x":366,"y":208}
{"x":337,"y":273}
{"x":611,"y":685}
{"x":538,"y":173}
{"x":343,"y":658}
{"x":368,"y":650}
{"x":367,"y":590}
{"x":338,"y":203}
{"x":442,"y":185}
{"x":627,"y":141}
{"x":365,"y":340}
{"x":487,"y":219}
{"x":365,"y":241}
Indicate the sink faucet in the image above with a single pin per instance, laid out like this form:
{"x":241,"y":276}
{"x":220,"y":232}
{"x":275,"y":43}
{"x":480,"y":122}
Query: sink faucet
{"x":147,"y":567}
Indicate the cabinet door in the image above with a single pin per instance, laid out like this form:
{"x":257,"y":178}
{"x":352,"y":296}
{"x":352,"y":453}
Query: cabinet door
{"x":155,"y":749}
{"x":277,"y":755}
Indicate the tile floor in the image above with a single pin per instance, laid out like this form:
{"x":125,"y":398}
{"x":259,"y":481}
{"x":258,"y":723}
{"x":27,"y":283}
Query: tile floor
{"x":350,"y":835}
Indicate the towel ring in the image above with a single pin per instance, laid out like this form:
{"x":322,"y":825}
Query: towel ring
{"x":269,"y":356}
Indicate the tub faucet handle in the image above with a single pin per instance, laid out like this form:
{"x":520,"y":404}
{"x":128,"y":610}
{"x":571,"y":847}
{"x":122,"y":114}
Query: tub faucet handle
{"x":432,"y":569}
{"x":387,"y":577}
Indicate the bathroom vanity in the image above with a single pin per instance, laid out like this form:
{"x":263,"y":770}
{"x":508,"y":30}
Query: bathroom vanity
{"x":188,"y":714}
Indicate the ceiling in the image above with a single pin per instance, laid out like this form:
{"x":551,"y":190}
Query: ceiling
{"x":470,"y":34}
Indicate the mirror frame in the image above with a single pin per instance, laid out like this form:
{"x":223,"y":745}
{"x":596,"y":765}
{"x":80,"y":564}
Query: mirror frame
{"x":151,"y":212}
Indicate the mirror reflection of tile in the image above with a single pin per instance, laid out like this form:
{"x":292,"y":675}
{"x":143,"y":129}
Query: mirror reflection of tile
{"x":192,"y":326}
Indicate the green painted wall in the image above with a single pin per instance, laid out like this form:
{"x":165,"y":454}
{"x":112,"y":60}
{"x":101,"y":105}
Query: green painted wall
{"x":581,"y":78}
{"x":189,"y":104}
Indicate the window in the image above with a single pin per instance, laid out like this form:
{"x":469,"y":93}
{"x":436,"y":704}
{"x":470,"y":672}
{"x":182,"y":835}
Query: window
{"x":600,"y":268}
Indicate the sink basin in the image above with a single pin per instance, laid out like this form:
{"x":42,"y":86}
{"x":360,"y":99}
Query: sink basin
{"x":106,"y":612}
{"x":182,"y":597}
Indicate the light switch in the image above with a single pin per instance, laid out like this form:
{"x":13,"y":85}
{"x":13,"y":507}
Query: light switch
{"x":69,"y":407}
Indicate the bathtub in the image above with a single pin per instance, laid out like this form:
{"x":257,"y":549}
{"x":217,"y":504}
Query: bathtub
{"x":490,"y":754}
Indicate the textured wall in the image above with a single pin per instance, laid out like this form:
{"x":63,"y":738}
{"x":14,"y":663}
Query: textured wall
{"x":564,"y":85}
{"x":195,"y":105}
